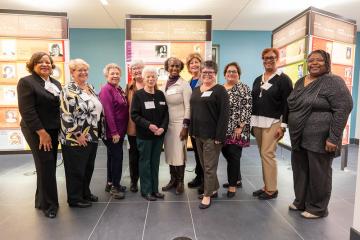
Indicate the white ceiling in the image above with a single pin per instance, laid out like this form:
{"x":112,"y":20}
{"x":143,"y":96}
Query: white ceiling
{"x":227,"y":14}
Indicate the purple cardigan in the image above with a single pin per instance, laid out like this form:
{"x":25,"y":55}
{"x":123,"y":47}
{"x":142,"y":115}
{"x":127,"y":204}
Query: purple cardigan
{"x":116,"y":109}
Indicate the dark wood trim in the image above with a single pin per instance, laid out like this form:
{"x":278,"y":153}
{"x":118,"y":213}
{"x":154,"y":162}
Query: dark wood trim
{"x":12,"y":11}
{"x":354,"y":234}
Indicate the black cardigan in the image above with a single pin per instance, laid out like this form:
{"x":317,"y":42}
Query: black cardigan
{"x":143,"y":117}
{"x":273,"y":102}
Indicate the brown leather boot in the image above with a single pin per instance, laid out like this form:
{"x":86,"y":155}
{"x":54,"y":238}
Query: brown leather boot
{"x":172,"y":182}
{"x":180,"y":170}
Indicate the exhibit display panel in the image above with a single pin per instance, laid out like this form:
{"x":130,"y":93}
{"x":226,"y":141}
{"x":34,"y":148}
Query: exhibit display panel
{"x":154,"y":38}
{"x":316,"y":29}
{"x":23,"y":33}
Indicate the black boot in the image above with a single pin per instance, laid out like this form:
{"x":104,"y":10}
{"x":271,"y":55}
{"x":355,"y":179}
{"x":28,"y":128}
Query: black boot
{"x":172,"y":182}
{"x":180,"y":170}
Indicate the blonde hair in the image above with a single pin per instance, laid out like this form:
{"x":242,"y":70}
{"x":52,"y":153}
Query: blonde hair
{"x":110,"y":66}
{"x":74,"y":63}
{"x":149,"y":69}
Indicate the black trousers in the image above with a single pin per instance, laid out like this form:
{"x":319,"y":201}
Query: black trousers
{"x":232,"y":154}
{"x":79,"y":165}
{"x":198,"y":169}
{"x":46,"y":197}
{"x":133,"y":160}
{"x":312,"y":174}
{"x":114,"y":161}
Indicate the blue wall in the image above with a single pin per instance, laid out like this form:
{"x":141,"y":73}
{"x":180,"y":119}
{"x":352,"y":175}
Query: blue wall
{"x":101,"y":46}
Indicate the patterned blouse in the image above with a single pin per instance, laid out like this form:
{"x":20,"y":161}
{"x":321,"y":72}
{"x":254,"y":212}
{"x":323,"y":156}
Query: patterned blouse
{"x":78,"y":115}
{"x":240,"y":114}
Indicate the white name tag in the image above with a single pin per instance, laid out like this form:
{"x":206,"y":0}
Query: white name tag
{"x":162,"y":103}
{"x":85,"y":96}
{"x":149,"y":105}
{"x":266,"y":86}
{"x":206,"y":94}
{"x":171,"y":91}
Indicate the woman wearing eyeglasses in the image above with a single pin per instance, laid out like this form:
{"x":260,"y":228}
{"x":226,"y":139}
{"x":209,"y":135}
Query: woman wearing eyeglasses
{"x":319,"y":108}
{"x":238,"y":129}
{"x":269,"y":118}
{"x":209,"y":108}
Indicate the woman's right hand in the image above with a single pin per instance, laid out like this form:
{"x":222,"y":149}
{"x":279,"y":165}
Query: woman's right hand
{"x":81,"y":139}
{"x":153,"y":128}
{"x":44,"y":139}
{"x":116,"y":138}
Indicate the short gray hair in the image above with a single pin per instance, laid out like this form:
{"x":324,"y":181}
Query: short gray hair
{"x":110,"y":66}
{"x":149,"y":69}
{"x":137,"y":63}
{"x":76,"y":63}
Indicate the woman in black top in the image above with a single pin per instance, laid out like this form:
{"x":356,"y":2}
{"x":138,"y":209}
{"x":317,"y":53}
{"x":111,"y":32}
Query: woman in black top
{"x":38,"y":98}
{"x":149,"y":111}
{"x":209,"y":106}
{"x":269,"y":118}
{"x":319,"y":108}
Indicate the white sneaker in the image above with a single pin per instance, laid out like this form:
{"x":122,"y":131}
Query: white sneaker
{"x":308,"y":215}
{"x":292,"y":207}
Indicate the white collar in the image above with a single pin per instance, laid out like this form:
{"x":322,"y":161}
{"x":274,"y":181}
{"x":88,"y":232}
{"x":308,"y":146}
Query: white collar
{"x":278,"y":72}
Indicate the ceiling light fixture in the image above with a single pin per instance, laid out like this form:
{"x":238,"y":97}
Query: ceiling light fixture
{"x":104,"y":2}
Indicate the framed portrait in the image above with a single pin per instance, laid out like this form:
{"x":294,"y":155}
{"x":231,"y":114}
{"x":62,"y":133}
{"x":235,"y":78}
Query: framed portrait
{"x":216,"y":53}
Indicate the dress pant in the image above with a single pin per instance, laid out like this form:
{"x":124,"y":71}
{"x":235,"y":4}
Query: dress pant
{"x":46,"y":197}
{"x":209,"y":158}
{"x":267,"y":144}
{"x":114,"y":161}
{"x":198,"y":168}
{"x":150,"y":150}
{"x":79,"y":164}
{"x":232,"y":154}
{"x":133,"y":160}
{"x":312,"y":174}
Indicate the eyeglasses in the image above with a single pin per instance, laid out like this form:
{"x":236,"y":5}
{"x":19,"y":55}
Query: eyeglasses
{"x":232,"y":71}
{"x":311,"y":60}
{"x":269,"y":58}
{"x":207,"y":73}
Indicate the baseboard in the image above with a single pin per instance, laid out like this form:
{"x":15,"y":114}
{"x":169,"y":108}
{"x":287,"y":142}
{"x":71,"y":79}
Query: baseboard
{"x":354,"y":234}
{"x":354,"y":141}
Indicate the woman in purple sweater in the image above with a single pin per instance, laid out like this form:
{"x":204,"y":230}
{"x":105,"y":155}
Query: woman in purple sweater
{"x":116,"y":109}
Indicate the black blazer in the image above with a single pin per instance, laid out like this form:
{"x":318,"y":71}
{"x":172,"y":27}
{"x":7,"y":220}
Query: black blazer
{"x":38,"y":108}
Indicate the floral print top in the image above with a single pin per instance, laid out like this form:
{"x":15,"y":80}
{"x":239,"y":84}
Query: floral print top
{"x":240,"y":114}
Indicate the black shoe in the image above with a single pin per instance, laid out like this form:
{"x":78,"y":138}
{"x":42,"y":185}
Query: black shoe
{"x":122,"y":188}
{"x":116,"y":193}
{"x":108,"y":187}
{"x":158,"y":195}
{"x":214,"y":195}
{"x":238,"y":185}
{"x":204,"y":206}
{"x":196,"y":182}
{"x":134,"y":187}
{"x":258,"y":192}
{"x":230,"y":194}
{"x":82,"y":204}
{"x":149,"y":197}
{"x":50,"y":214}
{"x":92,"y":198}
{"x":266,"y":196}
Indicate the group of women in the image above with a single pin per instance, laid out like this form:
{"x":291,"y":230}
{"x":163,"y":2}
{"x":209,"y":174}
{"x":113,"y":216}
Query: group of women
{"x":218,"y":118}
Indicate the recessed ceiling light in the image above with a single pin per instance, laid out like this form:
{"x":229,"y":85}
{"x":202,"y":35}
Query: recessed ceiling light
{"x":104,"y":2}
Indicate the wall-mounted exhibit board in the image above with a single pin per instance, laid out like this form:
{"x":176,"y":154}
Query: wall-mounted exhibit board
{"x":154,"y":38}
{"x":316,"y":29}
{"x":23,"y":33}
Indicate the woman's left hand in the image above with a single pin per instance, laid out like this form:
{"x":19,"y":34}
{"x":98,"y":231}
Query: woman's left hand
{"x":183,"y":134}
{"x":237,"y":133}
{"x":159,"y":131}
{"x":279,"y":133}
{"x":330,"y":147}
{"x":116,"y":138}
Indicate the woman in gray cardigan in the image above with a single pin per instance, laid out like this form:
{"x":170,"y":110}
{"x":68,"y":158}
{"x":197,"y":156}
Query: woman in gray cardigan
{"x":319,"y":107}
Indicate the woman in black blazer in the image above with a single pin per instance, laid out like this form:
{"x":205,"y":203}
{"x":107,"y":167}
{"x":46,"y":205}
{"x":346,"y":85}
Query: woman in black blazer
{"x":39,"y":106}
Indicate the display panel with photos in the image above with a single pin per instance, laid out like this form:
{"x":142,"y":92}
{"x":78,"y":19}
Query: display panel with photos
{"x":17,"y":45}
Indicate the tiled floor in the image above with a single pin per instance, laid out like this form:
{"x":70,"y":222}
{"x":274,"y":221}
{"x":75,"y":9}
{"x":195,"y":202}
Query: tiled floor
{"x":133,"y":218}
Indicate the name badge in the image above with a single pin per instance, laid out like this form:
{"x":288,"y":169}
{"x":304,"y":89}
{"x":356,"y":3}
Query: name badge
{"x":162,"y":103}
{"x":206,"y":94}
{"x":149,"y":105}
{"x":171,"y":91}
{"x":266,"y":86}
{"x":85,"y":96}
